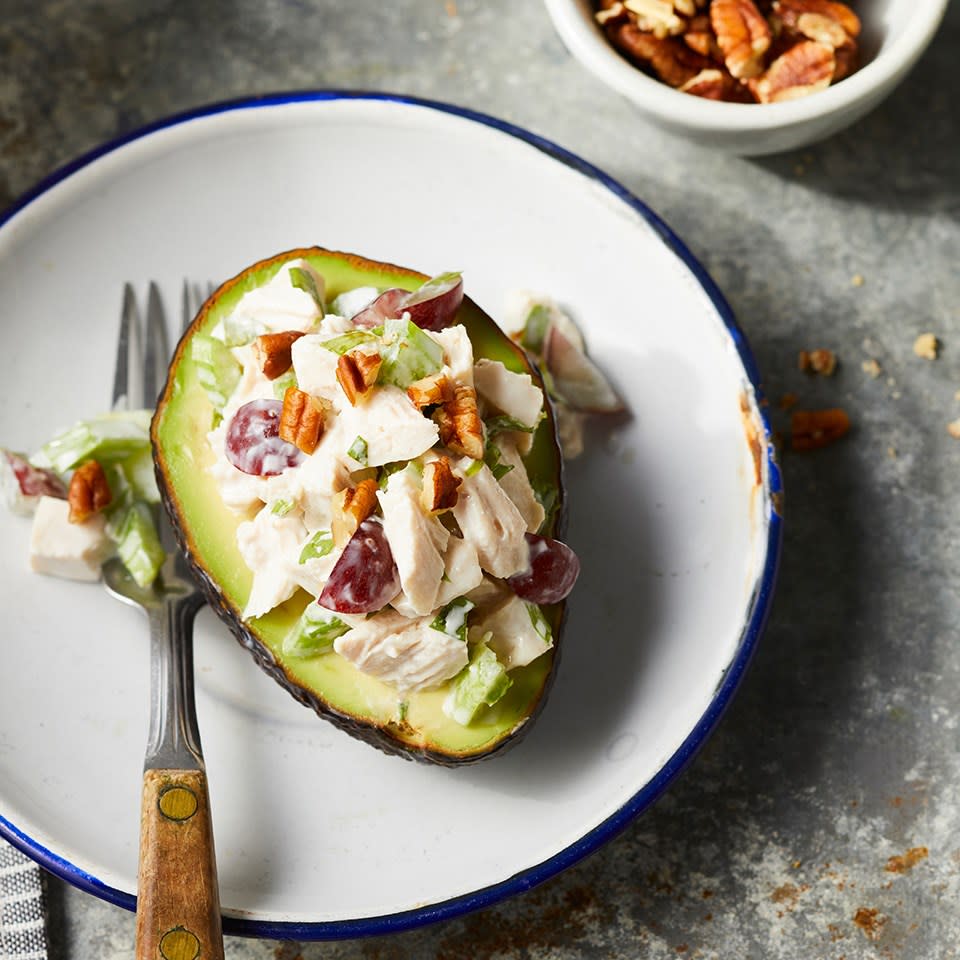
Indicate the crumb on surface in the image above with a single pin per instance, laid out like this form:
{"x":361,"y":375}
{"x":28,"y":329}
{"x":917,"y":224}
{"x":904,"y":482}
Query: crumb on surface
{"x":813,"y":429}
{"x":906,"y":861}
{"x":857,"y":280}
{"x":871,"y":368}
{"x":926,"y":346}
{"x":953,"y":428}
{"x":820,"y":361}
{"x":870,"y":921}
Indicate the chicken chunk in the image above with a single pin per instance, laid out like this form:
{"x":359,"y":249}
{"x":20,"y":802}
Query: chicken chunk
{"x":489,"y":521}
{"x":392,"y":427}
{"x":519,"y":632}
{"x":270,"y":547}
{"x":59,"y":548}
{"x":409,"y":654}
{"x":516,"y":483}
{"x":514,"y":394}
{"x":417,"y":540}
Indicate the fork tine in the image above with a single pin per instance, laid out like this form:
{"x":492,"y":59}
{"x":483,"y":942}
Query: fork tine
{"x":187,"y":309}
{"x":157,"y":350}
{"x":127,"y":340}
{"x":198,"y":296}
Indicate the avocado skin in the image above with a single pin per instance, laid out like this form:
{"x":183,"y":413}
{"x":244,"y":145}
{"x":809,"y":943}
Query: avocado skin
{"x":386,"y":736}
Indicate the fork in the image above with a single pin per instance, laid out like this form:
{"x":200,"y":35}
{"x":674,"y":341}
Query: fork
{"x":178,"y":903}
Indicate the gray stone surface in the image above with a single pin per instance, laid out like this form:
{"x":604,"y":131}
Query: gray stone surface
{"x":841,"y":750}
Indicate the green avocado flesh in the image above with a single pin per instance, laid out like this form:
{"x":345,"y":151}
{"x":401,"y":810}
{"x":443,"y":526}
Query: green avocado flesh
{"x":414,"y":724}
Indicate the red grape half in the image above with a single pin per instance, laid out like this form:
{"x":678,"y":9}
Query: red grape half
{"x":253,"y":443}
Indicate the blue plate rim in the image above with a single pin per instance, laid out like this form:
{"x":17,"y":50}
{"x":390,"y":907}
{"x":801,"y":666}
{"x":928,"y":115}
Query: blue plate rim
{"x":760,"y":603}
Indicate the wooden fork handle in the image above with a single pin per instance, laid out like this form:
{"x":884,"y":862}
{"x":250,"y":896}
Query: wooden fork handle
{"x":178,"y":902}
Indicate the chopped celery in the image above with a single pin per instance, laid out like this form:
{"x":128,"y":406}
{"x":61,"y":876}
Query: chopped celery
{"x":408,"y":353}
{"x":319,"y":545}
{"x":121,"y":498}
{"x":314,"y":632}
{"x":108,"y":438}
{"x":217,"y":369}
{"x":138,"y":544}
{"x":284,"y":382}
{"x":535,"y":328}
{"x":474,"y":468}
{"x":347,"y":341}
{"x":548,"y":495}
{"x":482,"y":682}
{"x":358,"y":450}
{"x":540,"y":624}
{"x":304,"y":280}
{"x":452,"y":619}
{"x":138,"y":472}
{"x":281,"y":508}
{"x":491,"y":457}
{"x":388,"y":470}
{"x":503,"y":423}
{"x":434,"y":283}
{"x":239,"y":329}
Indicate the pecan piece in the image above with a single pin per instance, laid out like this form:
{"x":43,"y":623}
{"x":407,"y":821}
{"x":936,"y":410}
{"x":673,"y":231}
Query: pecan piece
{"x":710,"y":84}
{"x":655,"y":16}
{"x":823,"y":29}
{"x":743,"y":36}
{"x":430,"y":391}
{"x":805,"y":68}
{"x":608,"y":11}
{"x":350,"y":507}
{"x":301,"y":420}
{"x":273,"y":352}
{"x":460,"y":427}
{"x":699,"y":37}
{"x":848,"y":61}
{"x":812,"y":429}
{"x":88,"y":493}
{"x":790,"y":12}
{"x":439,"y":486}
{"x":669,"y":58}
{"x":357,"y":373}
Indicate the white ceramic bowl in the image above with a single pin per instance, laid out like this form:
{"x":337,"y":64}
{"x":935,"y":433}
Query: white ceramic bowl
{"x":895,"y":34}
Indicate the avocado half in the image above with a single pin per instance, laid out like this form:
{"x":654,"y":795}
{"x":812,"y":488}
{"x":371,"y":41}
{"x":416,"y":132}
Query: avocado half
{"x":411,"y":725}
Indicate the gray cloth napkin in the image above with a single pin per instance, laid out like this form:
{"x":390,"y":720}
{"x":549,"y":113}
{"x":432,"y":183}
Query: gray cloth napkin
{"x":23,"y":934}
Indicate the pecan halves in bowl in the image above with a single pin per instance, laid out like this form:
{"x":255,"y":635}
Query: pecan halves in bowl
{"x":803,"y":69}
{"x":740,"y":51}
{"x":669,"y":58}
{"x":743,"y":36}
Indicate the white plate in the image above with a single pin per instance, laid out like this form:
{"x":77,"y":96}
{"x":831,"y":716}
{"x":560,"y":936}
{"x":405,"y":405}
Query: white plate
{"x":319,"y":835}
